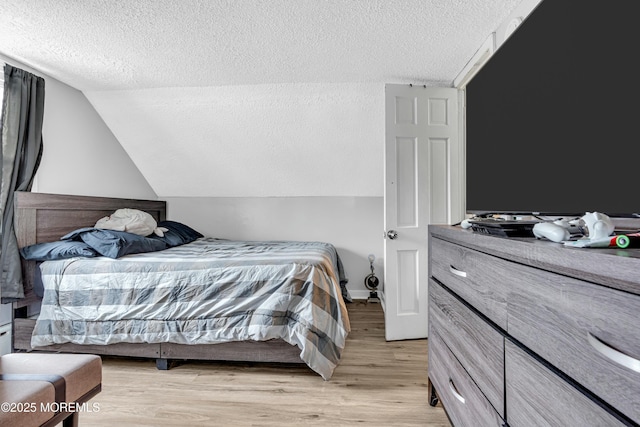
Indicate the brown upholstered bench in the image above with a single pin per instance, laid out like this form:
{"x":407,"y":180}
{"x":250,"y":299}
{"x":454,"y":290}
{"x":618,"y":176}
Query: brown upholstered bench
{"x":21,"y":402}
{"x":42,"y":389}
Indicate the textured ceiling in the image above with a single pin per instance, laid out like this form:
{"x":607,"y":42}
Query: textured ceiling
{"x":245,"y":98}
{"x":127,"y":44}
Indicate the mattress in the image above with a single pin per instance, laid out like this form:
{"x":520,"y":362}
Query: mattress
{"x":205,"y":292}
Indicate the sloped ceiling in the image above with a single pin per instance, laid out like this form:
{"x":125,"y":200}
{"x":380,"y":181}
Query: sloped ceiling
{"x":249,"y":97}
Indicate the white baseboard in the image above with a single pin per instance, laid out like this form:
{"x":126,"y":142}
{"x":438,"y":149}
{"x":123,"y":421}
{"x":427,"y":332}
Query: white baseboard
{"x":359,"y":294}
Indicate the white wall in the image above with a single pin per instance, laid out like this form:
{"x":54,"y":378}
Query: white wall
{"x":81,"y":155}
{"x":270,"y":140}
{"x":282,"y":161}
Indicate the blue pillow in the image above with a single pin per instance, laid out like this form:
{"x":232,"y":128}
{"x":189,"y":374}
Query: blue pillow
{"x":57,"y":250}
{"x":177,"y":234}
{"x":75,"y":234}
{"x":114,"y":244}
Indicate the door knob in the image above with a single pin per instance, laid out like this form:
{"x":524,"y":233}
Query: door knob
{"x":392,"y":234}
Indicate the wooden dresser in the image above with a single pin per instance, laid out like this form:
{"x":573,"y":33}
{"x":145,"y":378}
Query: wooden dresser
{"x":524,"y":332}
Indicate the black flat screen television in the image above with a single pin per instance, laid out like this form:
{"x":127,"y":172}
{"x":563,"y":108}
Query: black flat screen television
{"x":553,"y":120}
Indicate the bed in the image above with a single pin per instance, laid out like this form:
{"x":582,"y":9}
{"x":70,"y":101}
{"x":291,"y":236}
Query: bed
{"x":209,"y":299}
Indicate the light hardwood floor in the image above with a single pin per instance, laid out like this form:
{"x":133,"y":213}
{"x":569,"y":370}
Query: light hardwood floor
{"x":377,"y":383}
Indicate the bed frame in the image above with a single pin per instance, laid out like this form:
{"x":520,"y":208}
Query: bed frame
{"x":41,"y":217}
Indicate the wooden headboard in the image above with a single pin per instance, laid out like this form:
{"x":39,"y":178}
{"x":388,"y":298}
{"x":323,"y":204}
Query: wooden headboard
{"x":42,"y":217}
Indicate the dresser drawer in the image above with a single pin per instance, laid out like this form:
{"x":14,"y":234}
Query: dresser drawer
{"x":588,"y":331}
{"x":478,"y":346}
{"x":462,"y":399}
{"x":481,"y":280}
{"x":538,"y":397}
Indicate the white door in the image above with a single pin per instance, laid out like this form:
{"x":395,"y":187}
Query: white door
{"x":422,"y":185}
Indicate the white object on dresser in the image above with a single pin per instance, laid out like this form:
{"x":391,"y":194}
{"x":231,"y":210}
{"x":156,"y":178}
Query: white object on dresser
{"x":548,"y":335}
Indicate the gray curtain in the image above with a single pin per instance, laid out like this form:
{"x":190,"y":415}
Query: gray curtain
{"x":22,"y":116}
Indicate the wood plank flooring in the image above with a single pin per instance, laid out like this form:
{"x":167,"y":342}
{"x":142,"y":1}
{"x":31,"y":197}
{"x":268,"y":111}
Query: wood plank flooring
{"x":377,"y":383}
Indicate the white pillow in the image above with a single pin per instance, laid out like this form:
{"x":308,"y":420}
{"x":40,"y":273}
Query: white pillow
{"x":132,"y":221}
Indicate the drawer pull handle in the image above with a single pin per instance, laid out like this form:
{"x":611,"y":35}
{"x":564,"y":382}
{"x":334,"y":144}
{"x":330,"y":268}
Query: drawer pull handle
{"x":613,"y":354}
{"x":457,"y":272}
{"x":454,"y":390}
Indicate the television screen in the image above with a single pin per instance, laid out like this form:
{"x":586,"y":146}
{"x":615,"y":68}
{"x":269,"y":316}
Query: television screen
{"x":552,"y":119}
